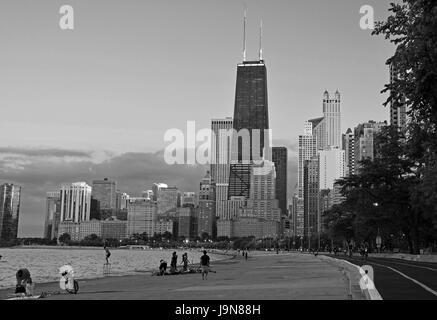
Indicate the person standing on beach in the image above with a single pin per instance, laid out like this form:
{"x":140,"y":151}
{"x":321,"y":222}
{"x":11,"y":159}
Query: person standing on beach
{"x":108,"y":254}
{"x":185,"y":261}
{"x":174,"y":262}
{"x":204,"y":264}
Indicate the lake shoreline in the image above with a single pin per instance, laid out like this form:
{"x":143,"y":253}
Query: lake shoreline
{"x":219,"y":257}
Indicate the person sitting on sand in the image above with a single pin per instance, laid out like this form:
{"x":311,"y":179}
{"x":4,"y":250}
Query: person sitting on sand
{"x":24,"y":282}
{"x":162,"y":267}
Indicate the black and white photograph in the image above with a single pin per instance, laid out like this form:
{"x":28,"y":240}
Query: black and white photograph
{"x":215,"y":156}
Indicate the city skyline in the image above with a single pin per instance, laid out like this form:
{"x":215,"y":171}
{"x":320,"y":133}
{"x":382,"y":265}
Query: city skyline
{"x":28,"y":160}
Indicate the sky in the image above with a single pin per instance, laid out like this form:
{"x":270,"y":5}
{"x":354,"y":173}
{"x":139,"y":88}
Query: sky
{"x":96,"y":101}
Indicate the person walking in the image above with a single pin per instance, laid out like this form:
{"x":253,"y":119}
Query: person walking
{"x":245,"y":255}
{"x":204,"y":265}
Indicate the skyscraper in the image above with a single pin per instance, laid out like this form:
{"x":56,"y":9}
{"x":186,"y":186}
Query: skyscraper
{"x":251,"y":118}
{"x":349,"y":149}
{"x":10,"y":197}
{"x":331,"y":167}
{"x":187,"y":222}
{"x":75,"y":202}
{"x":105,"y":192}
{"x":398,"y":109}
{"x":318,"y":131}
{"x":280,"y":159}
{"x":220,"y":161}
{"x":364,"y":135}
{"x":311,"y":197}
{"x":307,"y":150}
{"x":167,"y":200}
{"x":263,"y":202}
{"x":206,"y":209}
{"x":332,"y":118}
{"x":141,"y":217}
{"x":53,"y":212}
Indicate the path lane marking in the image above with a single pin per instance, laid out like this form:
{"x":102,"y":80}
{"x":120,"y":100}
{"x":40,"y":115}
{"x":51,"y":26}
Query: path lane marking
{"x":409,"y":278}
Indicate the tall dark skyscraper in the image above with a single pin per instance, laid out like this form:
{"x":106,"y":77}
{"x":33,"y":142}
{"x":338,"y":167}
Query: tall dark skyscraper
{"x":250,"y":112}
{"x":10,"y":196}
{"x":280,"y":158}
{"x":250,"y":115}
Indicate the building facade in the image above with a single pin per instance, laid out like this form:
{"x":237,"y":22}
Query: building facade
{"x":280,"y":159}
{"x":141,"y":217}
{"x":53,"y":214}
{"x":75,"y":202}
{"x":250,"y":115}
{"x":349,"y":150}
{"x":187,"y":226}
{"x":332,"y":118}
{"x":364,"y":138}
{"x":398,"y":108}
{"x":331,"y":167}
{"x":10,"y":200}
{"x":311,"y":197}
{"x":105,"y":192}
{"x":167,"y":200}
{"x":220,"y":161}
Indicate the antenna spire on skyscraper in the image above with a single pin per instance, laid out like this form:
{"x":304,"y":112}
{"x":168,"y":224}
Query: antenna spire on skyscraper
{"x":244,"y":33}
{"x":261,"y":41}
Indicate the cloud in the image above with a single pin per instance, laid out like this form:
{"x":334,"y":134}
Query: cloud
{"x":50,"y":152}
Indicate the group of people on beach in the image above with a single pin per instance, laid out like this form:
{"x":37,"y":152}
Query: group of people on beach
{"x":204,"y":265}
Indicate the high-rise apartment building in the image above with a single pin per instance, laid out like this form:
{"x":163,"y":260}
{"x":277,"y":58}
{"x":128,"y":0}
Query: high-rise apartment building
{"x":141,"y":217}
{"x":398,"y":109}
{"x":364,"y":140}
{"x":348,"y":145}
{"x":220,"y":161}
{"x":331,"y":167}
{"x":167,"y":200}
{"x":75,"y":202}
{"x":207,"y":207}
{"x":53,"y":214}
{"x":105,"y":192}
{"x":307,"y":150}
{"x":187,"y":222}
{"x":280,"y":159}
{"x":10,"y":198}
{"x":311,"y":197}
{"x":332,"y":119}
{"x":262,"y":202}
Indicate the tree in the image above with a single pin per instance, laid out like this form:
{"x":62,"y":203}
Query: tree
{"x":204,"y":236}
{"x":64,"y":238}
{"x":412,"y":28}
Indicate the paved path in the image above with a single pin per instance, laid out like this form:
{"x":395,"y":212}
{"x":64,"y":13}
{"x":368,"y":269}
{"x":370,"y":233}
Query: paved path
{"x":263,"y":277}
{"x":398,"y":279}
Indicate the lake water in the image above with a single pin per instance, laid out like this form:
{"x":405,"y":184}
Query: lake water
{"x":44,"y":263}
